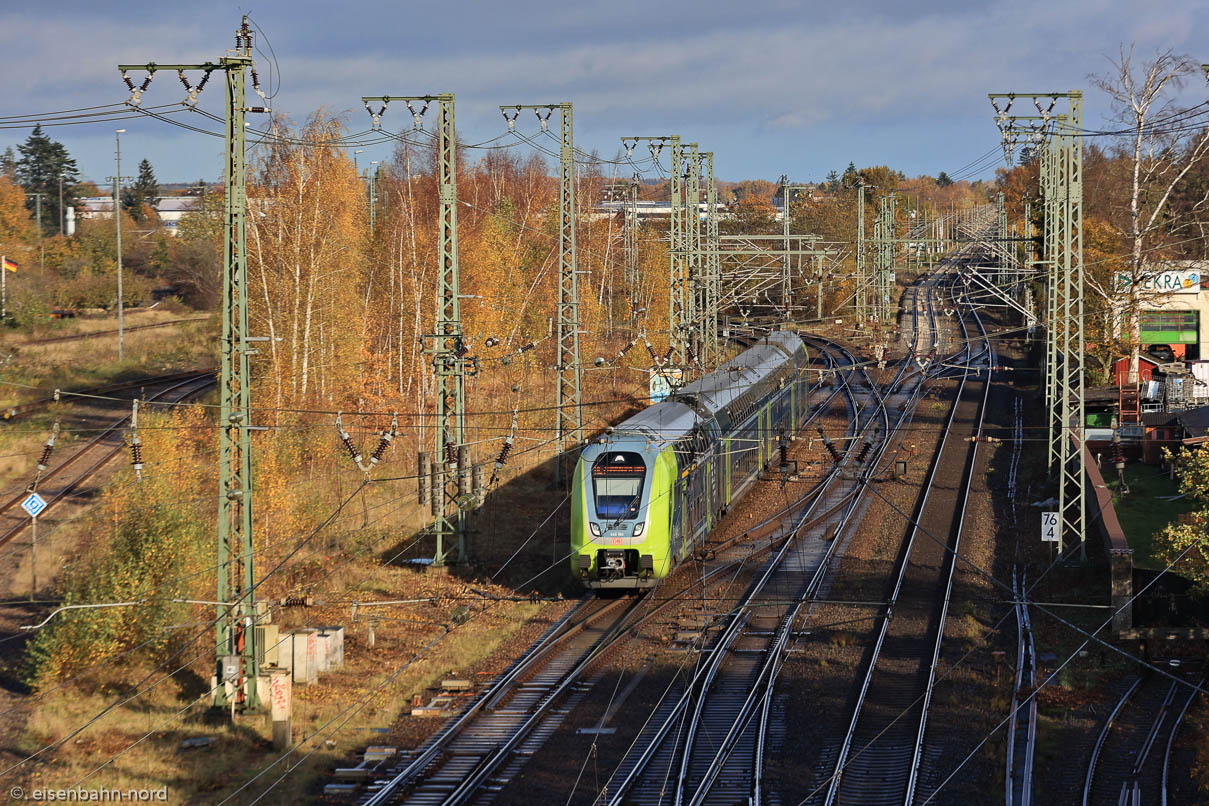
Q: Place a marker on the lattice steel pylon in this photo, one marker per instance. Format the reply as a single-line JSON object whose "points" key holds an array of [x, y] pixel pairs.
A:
{"points": [[630, 229], [678, 322], [1002, 222], [787, 297], [884, 252], [694, 259], [236, 650], [450, 498], [712, 290], [861, 292], [1061, 179], [569, 395]]}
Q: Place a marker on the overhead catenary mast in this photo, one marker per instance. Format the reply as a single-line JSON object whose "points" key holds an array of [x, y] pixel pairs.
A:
{"points": [[450, 461], [237, 652], [569, 397]]}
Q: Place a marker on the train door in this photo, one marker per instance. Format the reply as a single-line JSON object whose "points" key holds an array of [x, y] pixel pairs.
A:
{"points": [[728, 465], [760, 438], [793, 405], [676, 539]]}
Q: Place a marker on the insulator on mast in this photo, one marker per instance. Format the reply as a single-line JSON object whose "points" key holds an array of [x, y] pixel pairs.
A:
{"points": [[136, 447], [860, 457], [353, 453], [384, 442], [48, 449], [835, 455]]}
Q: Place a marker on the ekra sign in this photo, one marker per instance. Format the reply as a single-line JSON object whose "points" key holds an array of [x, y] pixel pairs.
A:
{"points": [[1168, 282]]}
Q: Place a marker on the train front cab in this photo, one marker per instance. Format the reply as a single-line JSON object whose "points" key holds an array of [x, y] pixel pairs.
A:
{"points": [[621, 516]]}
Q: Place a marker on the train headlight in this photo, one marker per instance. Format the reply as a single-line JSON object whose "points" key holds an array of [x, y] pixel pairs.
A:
{"points": [[639, 528], [592, 525]]}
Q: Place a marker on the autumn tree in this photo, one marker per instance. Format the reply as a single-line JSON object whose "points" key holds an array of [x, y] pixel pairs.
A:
{"points": [[195, 268], [1184, 545], [15, 224], [1159, 158], [755, 190], [307, 226], [750, 215]]}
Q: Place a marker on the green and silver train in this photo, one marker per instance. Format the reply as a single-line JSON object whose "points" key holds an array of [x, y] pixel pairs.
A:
{"points": [[646, 494]]}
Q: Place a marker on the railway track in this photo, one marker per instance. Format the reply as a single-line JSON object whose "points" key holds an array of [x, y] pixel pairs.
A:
{"points": [[109, 332], [884, 752], [62, 479], [487, 743], [100, 391], [707, 740], [1022, 722], [1130, 760]]}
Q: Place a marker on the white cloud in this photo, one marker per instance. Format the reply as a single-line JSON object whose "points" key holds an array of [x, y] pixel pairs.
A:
{"points": [[746, 73]]}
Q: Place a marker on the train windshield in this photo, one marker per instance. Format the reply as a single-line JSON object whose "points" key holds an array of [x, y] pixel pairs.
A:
{"points": [[617, 485]]}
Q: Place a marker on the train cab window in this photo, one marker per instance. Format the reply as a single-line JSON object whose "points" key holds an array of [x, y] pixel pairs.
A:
{"points": [[617, 484]]}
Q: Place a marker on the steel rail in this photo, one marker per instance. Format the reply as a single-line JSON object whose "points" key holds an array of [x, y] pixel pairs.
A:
{"points": [[681, 704], [555, 634], [1026, 664], [110, 332], [774, 655], [760, 698], [951, 558], [541, 651], [757, 778], [473, 782], [1150, 712], [1095, 753], [103, 459], [842, 760], [101, 391], [1175, 726], [719, 652]]}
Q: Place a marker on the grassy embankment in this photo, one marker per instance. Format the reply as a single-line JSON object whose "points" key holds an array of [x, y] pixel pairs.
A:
{"points": [[1144, 511]]}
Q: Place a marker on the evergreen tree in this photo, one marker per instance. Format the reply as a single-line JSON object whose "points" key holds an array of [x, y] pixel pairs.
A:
{"points": [[144, 191], [8, 164], [833, 181], [943, 180], [850, 175], [43, 162]]}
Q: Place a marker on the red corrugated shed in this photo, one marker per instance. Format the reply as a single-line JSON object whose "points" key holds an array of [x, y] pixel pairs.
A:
{"points": [[1145, 369]]}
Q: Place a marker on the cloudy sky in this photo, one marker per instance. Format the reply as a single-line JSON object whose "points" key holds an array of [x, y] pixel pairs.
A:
{"points": [[771, 87]]}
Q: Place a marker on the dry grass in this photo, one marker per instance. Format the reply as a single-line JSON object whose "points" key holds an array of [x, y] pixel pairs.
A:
{"points": [[56, 328], [138, 744], [72, 364]]}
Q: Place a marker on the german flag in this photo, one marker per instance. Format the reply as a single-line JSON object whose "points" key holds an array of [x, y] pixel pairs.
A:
{"points": [[9, 265]]}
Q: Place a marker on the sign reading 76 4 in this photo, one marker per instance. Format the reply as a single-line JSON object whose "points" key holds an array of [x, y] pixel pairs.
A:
{"points": [[1049, 527]]}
